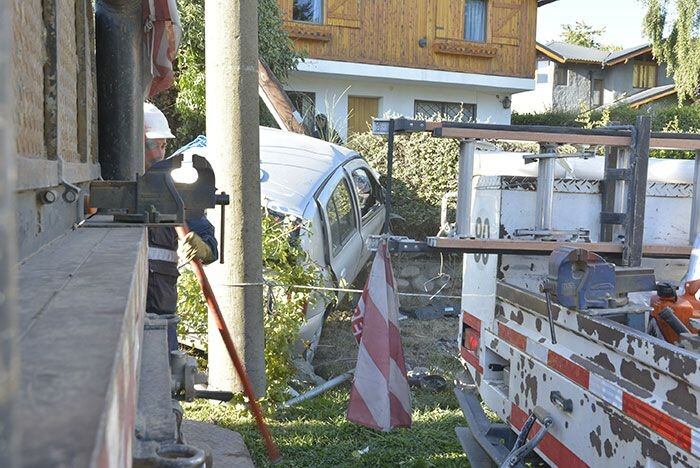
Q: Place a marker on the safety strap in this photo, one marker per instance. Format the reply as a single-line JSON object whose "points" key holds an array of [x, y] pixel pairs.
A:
{"points": [[164, 255]]}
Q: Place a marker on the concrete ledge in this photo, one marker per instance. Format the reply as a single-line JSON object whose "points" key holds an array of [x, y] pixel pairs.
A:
{"points": [[82, 301], [226, 447]]}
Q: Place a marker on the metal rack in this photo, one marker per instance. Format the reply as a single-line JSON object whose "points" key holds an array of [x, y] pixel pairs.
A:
{"points": [[624, 185]]}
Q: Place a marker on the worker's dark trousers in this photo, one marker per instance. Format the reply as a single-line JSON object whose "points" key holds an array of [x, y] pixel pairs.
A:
{"points": [[161, 299]]}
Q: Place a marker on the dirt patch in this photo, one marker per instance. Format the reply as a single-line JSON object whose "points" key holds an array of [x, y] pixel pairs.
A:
{"points": [[426, 343]]}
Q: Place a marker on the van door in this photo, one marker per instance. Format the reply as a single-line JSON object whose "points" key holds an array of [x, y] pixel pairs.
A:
{"points": [[369, 199], [340, 218]]}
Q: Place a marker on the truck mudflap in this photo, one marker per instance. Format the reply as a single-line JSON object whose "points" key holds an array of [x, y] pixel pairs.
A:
{"points": [[615, 399]]}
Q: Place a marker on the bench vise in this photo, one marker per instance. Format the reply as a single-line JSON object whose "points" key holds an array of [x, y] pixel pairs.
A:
{"points": [[154, 198], [579, 279]]}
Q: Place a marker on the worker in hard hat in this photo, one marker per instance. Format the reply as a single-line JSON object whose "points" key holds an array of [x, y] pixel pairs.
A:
{"points": [[163, 252]]}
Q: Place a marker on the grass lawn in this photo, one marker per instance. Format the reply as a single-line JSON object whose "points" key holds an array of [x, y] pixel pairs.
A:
{"points": [[316, 434]]}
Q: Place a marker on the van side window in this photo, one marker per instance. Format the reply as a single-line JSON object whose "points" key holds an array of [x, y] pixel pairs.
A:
{"points": [[341, 217], [367, 189]]}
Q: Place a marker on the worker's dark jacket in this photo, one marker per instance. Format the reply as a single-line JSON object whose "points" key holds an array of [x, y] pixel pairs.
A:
{"points": [[161, 297]]}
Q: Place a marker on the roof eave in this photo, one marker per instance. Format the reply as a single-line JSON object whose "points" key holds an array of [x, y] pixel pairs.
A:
{"points": [[625, 58], [656, 97], [549, 53]]}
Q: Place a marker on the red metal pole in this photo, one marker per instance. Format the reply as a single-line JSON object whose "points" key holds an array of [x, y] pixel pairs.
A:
{"points": [[273, 452]]}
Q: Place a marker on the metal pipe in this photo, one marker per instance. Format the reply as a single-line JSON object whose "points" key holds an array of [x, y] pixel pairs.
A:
{"points": [[121, 90], [389, 175], [334, 382], [465, 178], [621, 187], [9, 347], [545, 189], [695, 207], [218, 319]]}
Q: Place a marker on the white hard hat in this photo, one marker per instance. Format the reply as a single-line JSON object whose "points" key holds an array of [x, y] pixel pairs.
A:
{"points": [[154, 122]]}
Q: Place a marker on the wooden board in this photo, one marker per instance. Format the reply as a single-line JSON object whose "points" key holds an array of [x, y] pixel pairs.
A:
{"points": [[390, 32], [277, 101], [527, 247], [571, 135], [361, 111]]}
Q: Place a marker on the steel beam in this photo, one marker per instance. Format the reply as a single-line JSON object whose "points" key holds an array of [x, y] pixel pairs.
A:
{"points": [[525, 247], [637, 194], [464, 188]]}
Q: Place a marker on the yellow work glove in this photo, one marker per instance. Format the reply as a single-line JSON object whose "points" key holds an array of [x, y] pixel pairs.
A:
{"points": [[192, 246]]}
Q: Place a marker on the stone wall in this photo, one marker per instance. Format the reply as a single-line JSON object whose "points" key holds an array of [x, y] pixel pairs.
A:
{"points": [[53, 82], [421, 274]]}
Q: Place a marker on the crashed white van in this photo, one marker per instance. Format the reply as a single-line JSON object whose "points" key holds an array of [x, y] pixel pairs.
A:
{"points": [[334, 189]]}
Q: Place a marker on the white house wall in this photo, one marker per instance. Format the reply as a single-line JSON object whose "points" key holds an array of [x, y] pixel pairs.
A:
{"points": [[539, 99], [395, 98]]}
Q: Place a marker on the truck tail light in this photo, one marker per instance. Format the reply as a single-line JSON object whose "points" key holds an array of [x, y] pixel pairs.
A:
{"points": [[471, 336]]}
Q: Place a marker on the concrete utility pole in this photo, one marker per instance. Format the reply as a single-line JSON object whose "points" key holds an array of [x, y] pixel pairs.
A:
{"points": [[231, 53], [9, 349]]}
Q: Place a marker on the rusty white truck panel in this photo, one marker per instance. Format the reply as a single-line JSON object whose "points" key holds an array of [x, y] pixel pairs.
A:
{"points": [[634, 398]]}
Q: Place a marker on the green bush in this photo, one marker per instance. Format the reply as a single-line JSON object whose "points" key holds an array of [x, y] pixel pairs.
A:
{"points": [[284, 263], [663, 119]]}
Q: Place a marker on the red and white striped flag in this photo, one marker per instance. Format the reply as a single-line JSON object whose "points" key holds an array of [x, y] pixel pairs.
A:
{"points": [[380, 397]]}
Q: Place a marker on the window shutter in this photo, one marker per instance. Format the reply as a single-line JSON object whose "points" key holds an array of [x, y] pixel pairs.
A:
{"points": [[506, 21], [344, 13], [449, 19]]}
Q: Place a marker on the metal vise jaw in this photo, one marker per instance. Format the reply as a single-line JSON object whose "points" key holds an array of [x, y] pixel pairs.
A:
{"points": [[155, 198], [579, 279]]}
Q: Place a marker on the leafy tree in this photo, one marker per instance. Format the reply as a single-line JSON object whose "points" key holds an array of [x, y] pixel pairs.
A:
{"points": [[672, 26], [184, 104], [582, 34]]}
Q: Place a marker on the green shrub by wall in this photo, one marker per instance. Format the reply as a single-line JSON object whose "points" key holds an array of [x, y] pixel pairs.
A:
{"points": [[284, 263]]}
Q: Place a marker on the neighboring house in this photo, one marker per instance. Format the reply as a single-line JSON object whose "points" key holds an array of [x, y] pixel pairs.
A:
{"points": [[572, 77], [367, 58]]}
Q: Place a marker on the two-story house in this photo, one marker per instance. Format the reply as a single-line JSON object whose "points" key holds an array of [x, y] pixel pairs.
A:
{"points": [[571, 77], [367, 58]]}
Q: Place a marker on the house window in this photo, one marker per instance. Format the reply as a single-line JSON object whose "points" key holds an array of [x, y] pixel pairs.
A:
{"points": [[456, 111], [644, 75], [598, 90], [475, 20], [341, 217], [561, 76], [305, 104], [310, 11], [542, 78]]}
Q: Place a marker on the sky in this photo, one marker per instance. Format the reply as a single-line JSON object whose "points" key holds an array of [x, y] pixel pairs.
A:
{"points": [[622, 19]]}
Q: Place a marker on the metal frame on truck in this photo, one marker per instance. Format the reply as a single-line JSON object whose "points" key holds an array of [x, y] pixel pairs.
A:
{"points": [[578, 386]]}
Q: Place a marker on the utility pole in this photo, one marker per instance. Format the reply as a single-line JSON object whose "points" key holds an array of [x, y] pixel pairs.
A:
{"points": [[231, 53], [9, 346]]}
